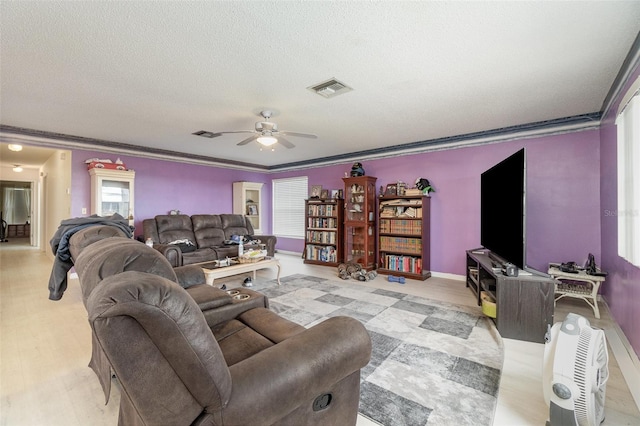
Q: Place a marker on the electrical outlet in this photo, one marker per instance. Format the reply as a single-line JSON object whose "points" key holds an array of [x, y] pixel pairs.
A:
{"points": [[84, 210]]}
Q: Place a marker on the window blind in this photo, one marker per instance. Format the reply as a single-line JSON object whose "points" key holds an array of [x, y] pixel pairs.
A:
{"points": [[628, 213], [289, 195]]}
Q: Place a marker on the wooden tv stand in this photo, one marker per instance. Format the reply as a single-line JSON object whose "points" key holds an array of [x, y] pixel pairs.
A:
{"points": [[524, 304]]}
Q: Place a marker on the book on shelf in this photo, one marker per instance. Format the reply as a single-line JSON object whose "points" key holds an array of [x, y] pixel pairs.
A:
{"points": [[402, 263], [318, 209], [412, 192], [323, 237], [401, 244], [398, 201], [400, 226], [322, 253]]}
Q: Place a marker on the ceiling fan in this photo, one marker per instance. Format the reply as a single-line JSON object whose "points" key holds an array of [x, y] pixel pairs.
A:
{"points": [[266, 133]]}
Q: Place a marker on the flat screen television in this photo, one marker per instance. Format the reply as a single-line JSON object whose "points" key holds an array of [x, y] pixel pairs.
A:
{"points": [[502, 209]]}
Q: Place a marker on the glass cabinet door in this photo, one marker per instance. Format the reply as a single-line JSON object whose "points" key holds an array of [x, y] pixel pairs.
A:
{"points": [[112, 192], [115, 198]]}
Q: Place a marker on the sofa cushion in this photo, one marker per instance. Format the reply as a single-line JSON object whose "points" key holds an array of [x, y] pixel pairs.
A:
{"points": [[239, 342], [207, 229], [235, 224], [199, 256], [174, 227]]}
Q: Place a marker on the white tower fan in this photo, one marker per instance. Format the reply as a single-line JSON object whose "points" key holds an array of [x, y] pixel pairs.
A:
{"points": [[575, 373]]}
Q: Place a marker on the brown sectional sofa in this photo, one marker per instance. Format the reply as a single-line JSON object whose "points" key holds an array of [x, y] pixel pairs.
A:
{"points": [[208, 232]]}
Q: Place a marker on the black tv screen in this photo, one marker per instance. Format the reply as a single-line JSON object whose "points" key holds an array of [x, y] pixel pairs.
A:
{"points": [[502, 209]]}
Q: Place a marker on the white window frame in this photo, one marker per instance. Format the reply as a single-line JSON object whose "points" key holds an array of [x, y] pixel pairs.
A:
{"points": [[287, 206], [628, 159]]}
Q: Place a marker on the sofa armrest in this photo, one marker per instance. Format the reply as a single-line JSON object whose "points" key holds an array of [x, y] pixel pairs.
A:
{"points": [[222, 314], [269, 241], [171, 252], [189, 275], [274, 382]]}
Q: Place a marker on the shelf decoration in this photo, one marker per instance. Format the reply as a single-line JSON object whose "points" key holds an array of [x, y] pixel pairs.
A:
{"points": [[425, 186], [97, 163], [316, 190]]}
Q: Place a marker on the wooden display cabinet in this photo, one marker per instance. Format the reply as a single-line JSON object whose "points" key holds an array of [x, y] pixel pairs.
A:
{"points": [[323, 234], [360, 221], [404, 236], [112, 191], [247, 198]]}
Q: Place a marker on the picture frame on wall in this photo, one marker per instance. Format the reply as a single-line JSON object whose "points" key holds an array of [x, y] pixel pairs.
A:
{"points": [[316, 191], [324, 194], [335, 194]]}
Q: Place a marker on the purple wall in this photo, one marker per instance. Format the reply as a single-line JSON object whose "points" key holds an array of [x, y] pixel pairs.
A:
{"points": [[563, 214], [563, 196], [161, 186], [622, 287], [571, 187]]}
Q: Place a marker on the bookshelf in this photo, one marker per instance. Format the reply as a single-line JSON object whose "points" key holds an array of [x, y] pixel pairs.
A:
{"points": [[323, 232], [404, 237]]}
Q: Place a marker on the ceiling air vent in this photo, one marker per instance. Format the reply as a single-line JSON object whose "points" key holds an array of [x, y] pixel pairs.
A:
{"points": [[330, 88]]}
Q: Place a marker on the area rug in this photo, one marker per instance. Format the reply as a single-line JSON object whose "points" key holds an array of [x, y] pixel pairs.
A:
{"points": [[432, 363]]}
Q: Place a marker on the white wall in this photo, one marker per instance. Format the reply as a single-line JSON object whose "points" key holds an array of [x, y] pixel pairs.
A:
{"points": [[56, 195]]}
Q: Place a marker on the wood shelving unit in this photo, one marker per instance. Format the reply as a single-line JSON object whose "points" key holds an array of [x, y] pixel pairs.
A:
{"points": [[524, 303], [404, 236], [323, 232]]}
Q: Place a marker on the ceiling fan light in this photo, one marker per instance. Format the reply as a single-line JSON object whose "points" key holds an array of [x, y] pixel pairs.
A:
{"points": [[267, 140], [14, 147]]}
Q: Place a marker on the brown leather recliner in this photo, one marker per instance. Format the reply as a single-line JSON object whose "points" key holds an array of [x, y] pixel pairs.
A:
{"points": [[96, 259], [173, 371], [219, 361]]}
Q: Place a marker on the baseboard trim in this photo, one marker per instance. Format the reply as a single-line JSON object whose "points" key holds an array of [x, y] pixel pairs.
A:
{"points": [[448, 276], [292, 253], [626, 358]]}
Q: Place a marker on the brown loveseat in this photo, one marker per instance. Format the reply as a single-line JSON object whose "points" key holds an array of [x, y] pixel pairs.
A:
{"points": [[213, 361], [207, 232]]}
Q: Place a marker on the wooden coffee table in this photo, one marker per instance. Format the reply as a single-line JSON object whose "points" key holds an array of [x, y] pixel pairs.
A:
{"points": [[239, 268]]}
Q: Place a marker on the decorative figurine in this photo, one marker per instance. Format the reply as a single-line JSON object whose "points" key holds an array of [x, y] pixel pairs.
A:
{"points": [[424, 185], [357, 170]]}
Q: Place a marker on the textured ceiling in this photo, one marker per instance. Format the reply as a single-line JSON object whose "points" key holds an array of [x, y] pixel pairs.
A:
{"points": [[151, 73]]}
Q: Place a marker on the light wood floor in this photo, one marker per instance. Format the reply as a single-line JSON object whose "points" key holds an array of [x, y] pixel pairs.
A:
{"points": [[45, 348]]}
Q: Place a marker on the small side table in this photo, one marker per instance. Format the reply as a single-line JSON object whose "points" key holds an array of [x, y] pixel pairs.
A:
{"points": [[580, 286]]}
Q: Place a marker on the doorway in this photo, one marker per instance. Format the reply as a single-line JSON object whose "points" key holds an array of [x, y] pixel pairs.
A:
{"points": [[16, 210]]}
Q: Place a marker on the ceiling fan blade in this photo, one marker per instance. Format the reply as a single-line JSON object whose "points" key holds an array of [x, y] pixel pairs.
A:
{"points": [[208, 134], [301, 135], [282, 141], [249, 139]]}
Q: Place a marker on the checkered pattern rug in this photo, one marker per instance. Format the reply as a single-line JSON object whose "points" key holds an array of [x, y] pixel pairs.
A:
{"points": [[432, 363]]}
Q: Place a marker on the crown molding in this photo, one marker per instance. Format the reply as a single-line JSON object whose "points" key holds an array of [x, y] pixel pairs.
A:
{"points": [[10, 134]]}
